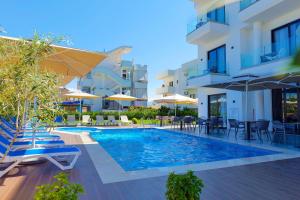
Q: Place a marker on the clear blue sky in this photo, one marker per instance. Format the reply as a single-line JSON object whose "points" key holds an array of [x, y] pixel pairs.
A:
{"points": [[154, 28]]}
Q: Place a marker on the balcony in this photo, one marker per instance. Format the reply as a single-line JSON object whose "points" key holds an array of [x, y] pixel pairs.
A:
{"points": [[165, 74], [204, 29], [246, 3], [274, 56], [208, 76], [265, 10], [165, 90]]}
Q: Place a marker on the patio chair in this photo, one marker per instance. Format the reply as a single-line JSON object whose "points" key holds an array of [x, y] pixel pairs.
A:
{"points": [[99, 120], [236, 125], [125, 121], [27, 144], [175, 122], [112, 120], [71, 119], [14, 157], [188, 123], [214, 123], [201, 124], [86, 119], [263, 128], [278, 130]]}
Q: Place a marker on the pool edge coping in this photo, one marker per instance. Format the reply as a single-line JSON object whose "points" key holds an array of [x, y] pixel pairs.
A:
{"points": [[110, 171]]}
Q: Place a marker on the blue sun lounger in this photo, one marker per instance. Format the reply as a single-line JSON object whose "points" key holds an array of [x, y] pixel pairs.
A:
{"points": [[12, 127], [38, 136], [27, 144], [54, 155]]}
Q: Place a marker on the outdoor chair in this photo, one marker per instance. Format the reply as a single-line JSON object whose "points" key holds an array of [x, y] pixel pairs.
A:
{"points": [[58, 119], [71, 119], [201, 124], [86, 119], [58, 156], [235, 125], [216, 123], [175, 123], [279, 129], [112, 120], [125, 121], [263, 128], [188, 123], [99, 120]]}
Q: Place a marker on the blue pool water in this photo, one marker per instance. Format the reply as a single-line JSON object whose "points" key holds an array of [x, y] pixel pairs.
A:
{"points": [[136, 149], [77, 129]]}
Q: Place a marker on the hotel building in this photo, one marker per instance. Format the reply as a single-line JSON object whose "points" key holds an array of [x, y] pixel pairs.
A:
{"points": [[113, 76]]}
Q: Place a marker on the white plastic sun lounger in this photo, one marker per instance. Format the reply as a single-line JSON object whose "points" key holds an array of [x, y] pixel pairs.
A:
{"points": [[86, 119], [100, 120], [112, 120], [15, 157], [71, 119], [125, 121]]}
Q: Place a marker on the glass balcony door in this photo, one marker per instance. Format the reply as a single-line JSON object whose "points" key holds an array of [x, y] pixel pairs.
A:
{"points": [[217, 15], [286, 39], [217, 60]]}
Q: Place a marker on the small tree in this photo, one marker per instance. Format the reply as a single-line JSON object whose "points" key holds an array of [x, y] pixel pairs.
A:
{"points": [[183, 186], [26, 88], [61, 189]]}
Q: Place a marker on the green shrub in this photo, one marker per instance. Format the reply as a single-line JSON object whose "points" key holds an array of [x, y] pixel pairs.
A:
{"points": [[183, 186], [61, 189], [135, 120], [137, 112]]}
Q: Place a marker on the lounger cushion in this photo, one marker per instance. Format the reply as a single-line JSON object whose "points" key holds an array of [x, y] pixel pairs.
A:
{"points": [[55, 142], [40, 151], [38, 136]]}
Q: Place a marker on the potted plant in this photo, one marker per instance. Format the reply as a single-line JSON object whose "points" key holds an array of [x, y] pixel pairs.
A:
{"points": [[61, 189], [183, 186]]}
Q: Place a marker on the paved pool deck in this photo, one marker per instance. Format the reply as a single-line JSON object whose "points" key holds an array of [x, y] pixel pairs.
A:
{"points": [[265, 180]]}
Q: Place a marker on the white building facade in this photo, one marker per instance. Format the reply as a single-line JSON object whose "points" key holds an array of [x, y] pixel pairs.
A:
{"points": [[256, 37], [113, 76], [176, 81]]}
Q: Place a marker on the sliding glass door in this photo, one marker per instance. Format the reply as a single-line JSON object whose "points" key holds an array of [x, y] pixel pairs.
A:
{"points": [[286, 39], [217, 60], [217, 15], [217, 106]]}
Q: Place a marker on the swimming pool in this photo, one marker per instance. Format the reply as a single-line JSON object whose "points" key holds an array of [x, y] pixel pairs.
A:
{"points": [[137, 149]]}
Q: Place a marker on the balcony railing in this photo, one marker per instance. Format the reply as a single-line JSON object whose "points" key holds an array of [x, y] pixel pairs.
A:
{"points": [[246, 3], [200, 21], [199, 71], [271, 52]]}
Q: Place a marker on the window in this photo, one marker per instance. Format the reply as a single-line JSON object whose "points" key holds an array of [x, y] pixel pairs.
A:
{"points": [[124, 74], [286, 39], [217, 60], [86, 89], [217, 15], [171, 84]]}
